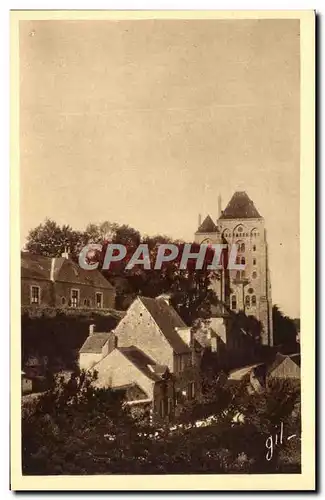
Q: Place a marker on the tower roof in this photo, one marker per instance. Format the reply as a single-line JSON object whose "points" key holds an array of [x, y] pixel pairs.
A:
{"points": [[240, 207], [207, 226]]}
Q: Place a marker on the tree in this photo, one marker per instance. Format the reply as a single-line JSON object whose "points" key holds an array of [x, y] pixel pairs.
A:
{"points": [[284, 331], [76, 428], [52, 240]]}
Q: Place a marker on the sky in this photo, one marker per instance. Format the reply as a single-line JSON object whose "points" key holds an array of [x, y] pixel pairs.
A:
{"points": [[146, 122]]}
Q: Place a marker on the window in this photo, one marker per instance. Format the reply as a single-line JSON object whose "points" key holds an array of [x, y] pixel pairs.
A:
{"points": [[241, 247], [250, 290], [254, 248], [253, 300], [238, 275], [237, 259], [247, 301], [191, 390], [74, 297], [63, 301], [243, 260], [240, 229], [87, 302], [254, 262], [233, 302], [99, 300], [254, 275], [35, 295]]}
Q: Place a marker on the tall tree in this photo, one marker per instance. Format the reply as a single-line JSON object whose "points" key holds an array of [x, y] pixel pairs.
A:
{"points": [[284, 331], [51, 240]]}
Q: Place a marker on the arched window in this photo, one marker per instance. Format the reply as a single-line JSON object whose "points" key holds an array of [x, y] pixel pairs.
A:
{"points": [[254, 248], [240, 229], [254, 262], [243, 274], [242, 260], [63, 301], [242, 247], [254, 275], [233, 302], [85, 302], [237, 259], [253, 300], [247, 301]]}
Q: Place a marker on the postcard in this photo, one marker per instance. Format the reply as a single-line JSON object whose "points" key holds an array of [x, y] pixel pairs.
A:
{"points": [[163, 250]]}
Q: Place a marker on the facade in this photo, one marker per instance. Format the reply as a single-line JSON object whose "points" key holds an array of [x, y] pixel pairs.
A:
{"points": [[149, 348], [60, 282], [247, 290], [154, 326]]}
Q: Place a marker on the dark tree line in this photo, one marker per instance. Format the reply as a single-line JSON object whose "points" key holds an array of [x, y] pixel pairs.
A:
{"points": [[75, 428]]}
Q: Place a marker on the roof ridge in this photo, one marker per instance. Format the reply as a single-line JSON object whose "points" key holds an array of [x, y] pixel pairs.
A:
{"points": [[240, 206]]}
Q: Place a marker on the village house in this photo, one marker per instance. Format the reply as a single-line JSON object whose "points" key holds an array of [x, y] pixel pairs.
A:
{"points": [[260, 375], [60, 282], [284, 367], [149, 348]]}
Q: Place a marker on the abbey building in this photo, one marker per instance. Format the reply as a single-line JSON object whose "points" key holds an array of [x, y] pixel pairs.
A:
{"points": [[248, 290]]}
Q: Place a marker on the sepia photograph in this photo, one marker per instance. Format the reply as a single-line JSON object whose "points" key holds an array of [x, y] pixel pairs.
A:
{"points": [[163, 322]]}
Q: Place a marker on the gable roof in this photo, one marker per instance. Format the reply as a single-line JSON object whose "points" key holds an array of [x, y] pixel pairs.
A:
{"points": [[141, 361], [240, 207], [207, 226], [36, 267], [95, 342], [280, 358], [167, 320]]}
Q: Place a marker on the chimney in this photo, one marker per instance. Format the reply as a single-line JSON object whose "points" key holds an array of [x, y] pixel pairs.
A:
{"points": [[219, 206], [66, 252], [91, 329], [200, 220]]}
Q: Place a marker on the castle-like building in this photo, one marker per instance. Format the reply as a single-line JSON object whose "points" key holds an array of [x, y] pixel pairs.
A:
{"points": [[248, 290]]}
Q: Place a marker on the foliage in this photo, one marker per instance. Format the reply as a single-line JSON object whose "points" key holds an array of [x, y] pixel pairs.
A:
{"points": [[52, 240], [59, 338], [284, 331], [190, 289], [78, 429]]}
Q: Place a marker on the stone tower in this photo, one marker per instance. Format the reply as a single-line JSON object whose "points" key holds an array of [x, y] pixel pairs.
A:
{"points": [[248, 290]]}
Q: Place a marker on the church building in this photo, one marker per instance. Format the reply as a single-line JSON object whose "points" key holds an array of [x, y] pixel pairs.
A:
{"points": [[248, 290]]}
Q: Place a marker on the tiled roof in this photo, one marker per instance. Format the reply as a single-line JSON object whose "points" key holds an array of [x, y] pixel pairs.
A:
{"points": [[36, 267], [140, 360], [95, 342], [167, 320], [240, 207], [207, 226]]}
